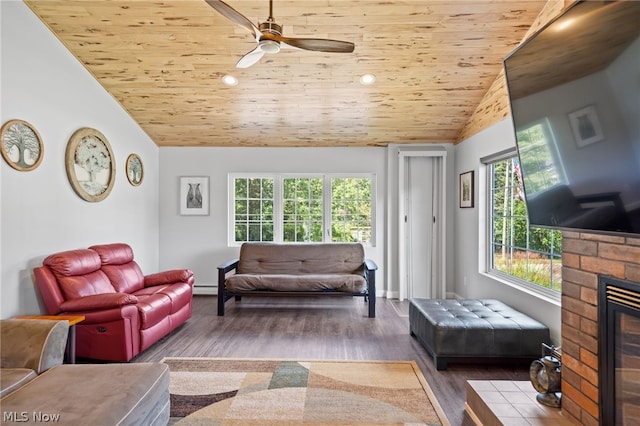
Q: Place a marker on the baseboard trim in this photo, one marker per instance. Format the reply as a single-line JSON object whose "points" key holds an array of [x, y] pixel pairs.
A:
{"points": [[207, 290]]}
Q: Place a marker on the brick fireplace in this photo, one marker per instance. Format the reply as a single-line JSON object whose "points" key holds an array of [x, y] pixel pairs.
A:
{"points": [[586, 257]]}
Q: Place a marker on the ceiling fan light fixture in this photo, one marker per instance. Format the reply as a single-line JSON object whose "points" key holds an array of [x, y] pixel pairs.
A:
{"points": [[270, 46], [229, 80], [367, 79]]}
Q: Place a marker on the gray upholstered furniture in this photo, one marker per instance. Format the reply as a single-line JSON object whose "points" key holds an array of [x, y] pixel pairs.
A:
{"points": [[474, 329], [29, 348], [298, 269], [38, 388]]}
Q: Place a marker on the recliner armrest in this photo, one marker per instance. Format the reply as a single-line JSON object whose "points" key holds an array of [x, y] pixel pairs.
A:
{"points": [[169, 277], [97, 302]]}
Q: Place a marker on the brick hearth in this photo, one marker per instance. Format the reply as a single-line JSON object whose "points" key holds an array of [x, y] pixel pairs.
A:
{"points": [[586, 257]]}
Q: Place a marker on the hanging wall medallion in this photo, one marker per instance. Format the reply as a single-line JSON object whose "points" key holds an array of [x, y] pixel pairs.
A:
{"points": [[134, 169], [21, 145], [90, 164]]}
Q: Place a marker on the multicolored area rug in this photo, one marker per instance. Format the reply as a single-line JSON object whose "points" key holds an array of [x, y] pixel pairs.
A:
{"points": [[216, 391]]}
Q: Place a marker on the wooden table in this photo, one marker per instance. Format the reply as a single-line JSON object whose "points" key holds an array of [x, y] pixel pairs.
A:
{"points": [[70, 350]]}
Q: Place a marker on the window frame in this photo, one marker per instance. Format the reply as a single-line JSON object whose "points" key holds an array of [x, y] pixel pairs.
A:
{"points": [[280, 217], [231, 197], [501, 276], [278, 203]]}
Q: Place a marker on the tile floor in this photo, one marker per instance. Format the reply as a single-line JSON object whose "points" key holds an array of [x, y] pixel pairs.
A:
{"points": [[509, 403]]}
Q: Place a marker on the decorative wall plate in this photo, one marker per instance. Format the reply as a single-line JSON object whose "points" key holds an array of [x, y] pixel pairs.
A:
{"points": [[134, 169], [90, 164], [21, 145]]}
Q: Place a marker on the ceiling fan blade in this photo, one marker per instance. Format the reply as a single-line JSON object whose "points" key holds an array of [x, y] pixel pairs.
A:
{"points": [[250, 58], [315, 44], [236, 17]]}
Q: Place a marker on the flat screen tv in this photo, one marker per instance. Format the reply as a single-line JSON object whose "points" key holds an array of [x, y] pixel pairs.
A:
{"points": [[574, 89]]}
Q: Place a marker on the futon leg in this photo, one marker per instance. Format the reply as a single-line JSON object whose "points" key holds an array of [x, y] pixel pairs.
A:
{"points": [[221, 300], [372, 306], [371, 292]]}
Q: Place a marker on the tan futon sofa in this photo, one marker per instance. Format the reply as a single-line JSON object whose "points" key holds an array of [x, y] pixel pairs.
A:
{"points": [[37, 388], [298, 269]]}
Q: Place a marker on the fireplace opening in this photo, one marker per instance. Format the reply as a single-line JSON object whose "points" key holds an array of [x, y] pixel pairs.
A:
{"points": [[619, 347]]}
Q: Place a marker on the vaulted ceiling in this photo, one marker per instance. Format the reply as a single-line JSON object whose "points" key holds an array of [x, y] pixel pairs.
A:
{"points": [[163, 61]]}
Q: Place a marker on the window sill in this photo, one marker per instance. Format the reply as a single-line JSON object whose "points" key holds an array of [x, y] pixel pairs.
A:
{"points": [[554, 299], [239, 243]]}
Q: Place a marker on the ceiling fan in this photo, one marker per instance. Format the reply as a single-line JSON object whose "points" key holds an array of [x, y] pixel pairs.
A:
{"points": [[269, 37]]}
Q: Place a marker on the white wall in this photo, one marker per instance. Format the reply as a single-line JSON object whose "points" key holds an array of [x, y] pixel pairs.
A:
{"points": [[200, 242], [43, 84], [471, 281]]}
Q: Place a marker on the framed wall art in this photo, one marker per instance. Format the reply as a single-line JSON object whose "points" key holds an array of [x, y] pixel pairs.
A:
{"points": [[90, 164], [586, 126], [466, 189], [21, 145], [134, 169], [194, 195]]}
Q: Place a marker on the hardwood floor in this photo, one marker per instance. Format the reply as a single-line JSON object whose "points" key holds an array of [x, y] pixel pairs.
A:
{"points": [[321, 328]]}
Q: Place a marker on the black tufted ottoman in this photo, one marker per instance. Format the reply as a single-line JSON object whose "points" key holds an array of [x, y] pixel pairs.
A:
{"points": [[472, 328]]}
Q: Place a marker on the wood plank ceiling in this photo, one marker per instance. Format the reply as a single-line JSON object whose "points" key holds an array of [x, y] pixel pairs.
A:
{"points": [[163, 62]]}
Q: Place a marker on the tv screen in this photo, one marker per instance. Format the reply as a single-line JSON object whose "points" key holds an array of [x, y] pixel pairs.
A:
{"points": [[574, 89]]}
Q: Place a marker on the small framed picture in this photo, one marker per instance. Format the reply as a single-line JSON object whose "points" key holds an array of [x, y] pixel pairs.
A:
{"points": [[466, 189], [194, 195], [586, 126]]}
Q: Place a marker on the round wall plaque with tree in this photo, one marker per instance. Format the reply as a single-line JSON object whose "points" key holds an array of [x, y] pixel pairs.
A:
{"points": [[134, 169], [90, 164], [21, 145]]}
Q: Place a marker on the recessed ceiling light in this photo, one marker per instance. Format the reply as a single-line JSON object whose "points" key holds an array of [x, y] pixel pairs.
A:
{"points": [[367, 79], [229, 80]]}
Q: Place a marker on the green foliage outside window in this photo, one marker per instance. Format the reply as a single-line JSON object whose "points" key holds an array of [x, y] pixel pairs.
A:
{"points": [[254, 214], [351, 209], [531, 253], [302, 203], [302, 208]]}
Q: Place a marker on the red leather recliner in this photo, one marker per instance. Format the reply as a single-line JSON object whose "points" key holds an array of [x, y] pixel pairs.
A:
{"points": [[125, 311]]}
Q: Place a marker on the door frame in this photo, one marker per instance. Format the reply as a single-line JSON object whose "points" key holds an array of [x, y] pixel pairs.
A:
{"points": [[439, 197]]}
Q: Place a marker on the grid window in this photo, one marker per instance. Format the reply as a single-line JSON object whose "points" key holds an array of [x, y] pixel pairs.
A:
{"points": [[254, 209], [294, 209], [302, 209], [351, 209], [530, 254]]}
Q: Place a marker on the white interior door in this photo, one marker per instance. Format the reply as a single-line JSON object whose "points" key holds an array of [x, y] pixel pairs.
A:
{"points": [[421, 215], [419, 222]]}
